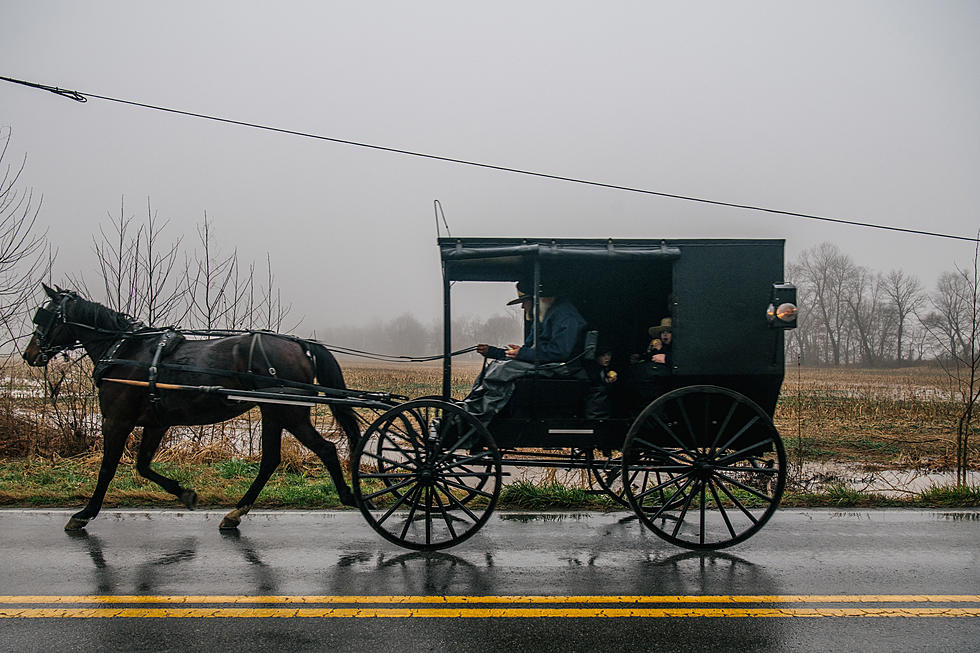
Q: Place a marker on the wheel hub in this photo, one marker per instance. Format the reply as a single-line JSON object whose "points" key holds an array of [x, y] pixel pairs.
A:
{"points": [[703, 468]]}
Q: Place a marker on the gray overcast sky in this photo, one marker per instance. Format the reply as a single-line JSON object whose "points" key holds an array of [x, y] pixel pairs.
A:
{"points": [[863, 110]]}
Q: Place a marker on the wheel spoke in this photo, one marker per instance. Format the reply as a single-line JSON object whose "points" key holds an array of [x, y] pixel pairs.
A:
{"points": [[701, 536], [407, 433], [754, 470], [467, 488], [687, 505], [674, 436], [739, 455], [755, 418], [747, 488], [413, 455], [459, 504], [390, 462], [411, 511], [390, 488], [483, 455], [738, 503], [458, 475], [666, 452], [724, 425], [721, 508], [672, 481], [394, 507], [386, 475], [427, 491], [445, 514], [687, 420], [449, 451], [669, 501]]}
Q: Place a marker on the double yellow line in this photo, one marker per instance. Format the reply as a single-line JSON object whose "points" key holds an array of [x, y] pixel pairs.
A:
{"points": [[259, 607]]}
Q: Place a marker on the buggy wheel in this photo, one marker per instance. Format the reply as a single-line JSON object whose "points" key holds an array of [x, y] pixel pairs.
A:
{"points": [[426, 475], [607, 474], [707, 465]]}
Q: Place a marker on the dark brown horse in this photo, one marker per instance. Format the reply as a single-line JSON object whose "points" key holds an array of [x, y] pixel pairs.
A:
{"points": [[121, 349]]}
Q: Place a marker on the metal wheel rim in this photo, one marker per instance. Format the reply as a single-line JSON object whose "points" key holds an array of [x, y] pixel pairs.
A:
{"points": [[720, 493], [437, 492]]}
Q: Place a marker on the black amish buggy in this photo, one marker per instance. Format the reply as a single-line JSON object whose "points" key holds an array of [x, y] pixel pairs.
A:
{"points": [[691, 449]]}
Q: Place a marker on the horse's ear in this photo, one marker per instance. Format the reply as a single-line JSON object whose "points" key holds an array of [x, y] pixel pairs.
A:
{"points": [[50, 291]]}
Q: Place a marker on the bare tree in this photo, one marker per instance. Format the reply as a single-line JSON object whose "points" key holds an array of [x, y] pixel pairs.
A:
{"points": [[160, 293], [208, 278], [904, 292], [23, 258], [951, 312], [874, 322], [955, 325], [825, 273], [117, 253], [275, 312]]}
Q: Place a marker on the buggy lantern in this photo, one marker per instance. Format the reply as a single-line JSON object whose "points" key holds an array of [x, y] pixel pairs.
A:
{"points": [[782, 310]]}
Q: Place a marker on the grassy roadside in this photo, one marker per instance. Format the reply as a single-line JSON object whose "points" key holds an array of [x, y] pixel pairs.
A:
{"points": [[68, 483]]}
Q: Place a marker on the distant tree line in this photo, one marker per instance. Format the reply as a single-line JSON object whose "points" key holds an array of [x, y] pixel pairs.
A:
{"points": [[852, 315]]}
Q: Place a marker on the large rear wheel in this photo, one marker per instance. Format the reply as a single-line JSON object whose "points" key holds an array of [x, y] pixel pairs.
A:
{"points": [[706, 467]]}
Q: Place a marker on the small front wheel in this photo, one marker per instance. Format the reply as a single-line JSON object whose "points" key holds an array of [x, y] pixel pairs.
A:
{"points": [[426, 475]]}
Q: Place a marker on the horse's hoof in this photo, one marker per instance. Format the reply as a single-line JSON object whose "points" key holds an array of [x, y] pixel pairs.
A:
{"points": [[189, 499], [346, 497], [76, 524], [233, 518]]}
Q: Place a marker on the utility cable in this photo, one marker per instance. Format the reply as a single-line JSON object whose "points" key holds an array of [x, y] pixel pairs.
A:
{"points": [[83, 96]]}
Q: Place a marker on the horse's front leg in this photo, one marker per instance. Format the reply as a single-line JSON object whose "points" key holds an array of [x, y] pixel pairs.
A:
{"points": [[114, 434], [271, 457], [149, 444]]}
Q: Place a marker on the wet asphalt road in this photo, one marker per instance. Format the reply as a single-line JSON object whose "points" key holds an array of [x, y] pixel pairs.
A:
{"points": [[907, 555]]}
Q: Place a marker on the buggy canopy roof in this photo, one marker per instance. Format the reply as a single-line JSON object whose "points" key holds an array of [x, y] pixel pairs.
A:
{"points": [[507, 259]]}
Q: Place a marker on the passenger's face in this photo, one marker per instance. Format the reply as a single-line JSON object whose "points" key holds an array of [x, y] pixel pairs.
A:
{"points": [[667, 336]]}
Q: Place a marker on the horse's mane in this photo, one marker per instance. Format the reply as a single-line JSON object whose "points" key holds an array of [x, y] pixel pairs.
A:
{"points": [[102, 317]]}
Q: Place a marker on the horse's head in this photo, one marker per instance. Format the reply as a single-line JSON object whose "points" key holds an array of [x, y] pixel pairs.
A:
{"points": [[51, 335]]}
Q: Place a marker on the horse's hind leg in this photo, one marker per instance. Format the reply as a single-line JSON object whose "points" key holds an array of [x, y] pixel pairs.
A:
{"points": [[149, 444], [271, 457], [114, 434], [326, 451]]}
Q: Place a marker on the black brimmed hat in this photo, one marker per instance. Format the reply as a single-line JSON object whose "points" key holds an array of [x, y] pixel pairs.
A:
{"points": [[524, 292]]}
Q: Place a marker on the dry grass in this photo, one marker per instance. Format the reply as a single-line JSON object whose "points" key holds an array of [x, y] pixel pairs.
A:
{"points": [[898, 417]]}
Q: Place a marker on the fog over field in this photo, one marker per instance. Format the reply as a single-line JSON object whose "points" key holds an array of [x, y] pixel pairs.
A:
{"points": [[863, 111]]}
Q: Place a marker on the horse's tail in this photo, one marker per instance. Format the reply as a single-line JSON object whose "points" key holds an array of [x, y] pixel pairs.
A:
{"points": [[328, 374]]}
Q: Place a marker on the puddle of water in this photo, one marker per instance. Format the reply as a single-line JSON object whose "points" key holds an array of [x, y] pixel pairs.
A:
{"points": [[888, 482]]}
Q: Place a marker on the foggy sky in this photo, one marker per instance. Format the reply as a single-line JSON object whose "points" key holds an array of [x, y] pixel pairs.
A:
{"points": [[859, 110]]}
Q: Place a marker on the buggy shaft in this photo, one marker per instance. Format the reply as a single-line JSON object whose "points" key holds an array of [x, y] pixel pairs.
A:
{"points": [[258, 396]]}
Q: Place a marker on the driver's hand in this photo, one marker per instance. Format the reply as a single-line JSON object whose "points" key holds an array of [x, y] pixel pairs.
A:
{"points": [[512, 351], [482, 350]]}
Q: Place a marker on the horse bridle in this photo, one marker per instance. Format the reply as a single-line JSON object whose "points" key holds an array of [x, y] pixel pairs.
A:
{"points": [[45, 320]]}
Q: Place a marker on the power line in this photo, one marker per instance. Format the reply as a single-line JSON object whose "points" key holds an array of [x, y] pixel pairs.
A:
{"points": [[83, 97]]}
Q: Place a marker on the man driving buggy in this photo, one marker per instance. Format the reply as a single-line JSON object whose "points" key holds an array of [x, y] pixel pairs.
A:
{"points": [[560, 331]]}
